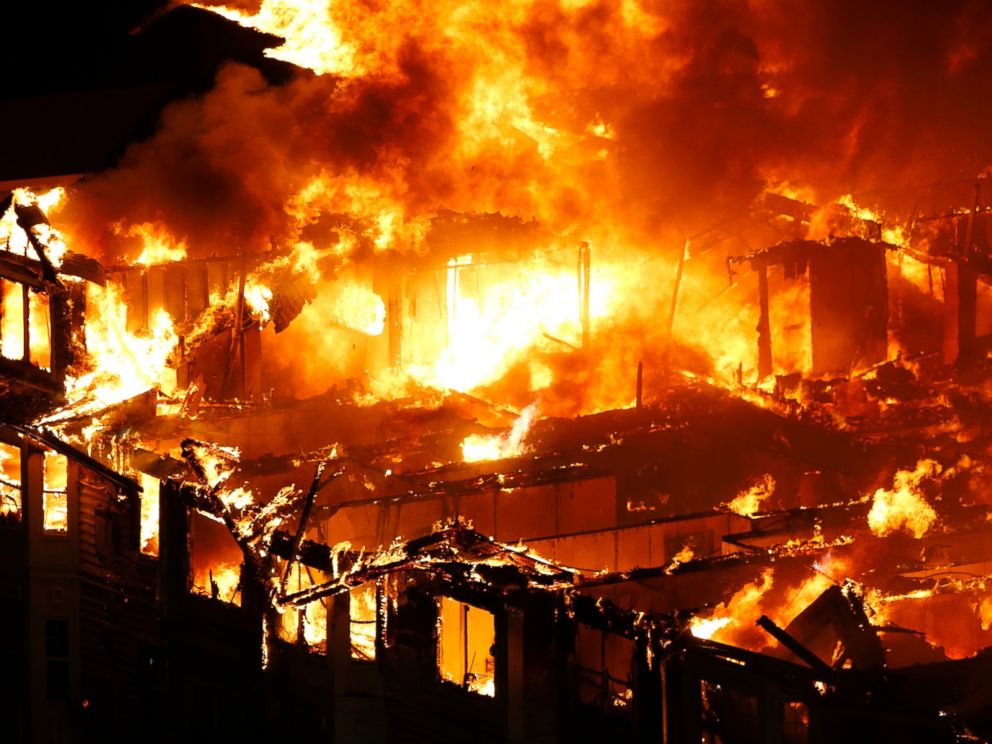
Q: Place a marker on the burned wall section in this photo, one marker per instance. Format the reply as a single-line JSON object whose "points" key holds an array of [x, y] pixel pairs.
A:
{"points": [[226, 362], [848, 306]]}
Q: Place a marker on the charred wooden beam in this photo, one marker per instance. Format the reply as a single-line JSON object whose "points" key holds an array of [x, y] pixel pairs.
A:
{"points": [[639, 398], [679, 268], [20, 269], [304, 518], [814, 661], [394, 317], [764, 326], [585, 274]]}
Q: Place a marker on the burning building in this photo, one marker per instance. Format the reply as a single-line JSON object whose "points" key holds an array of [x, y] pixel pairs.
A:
{"points": [[572, 370]]}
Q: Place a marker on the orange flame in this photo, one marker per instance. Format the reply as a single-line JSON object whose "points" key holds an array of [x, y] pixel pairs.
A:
{"points": [[904, 507], [747, 503], [476, 447], [157, 244], [119, 364]]}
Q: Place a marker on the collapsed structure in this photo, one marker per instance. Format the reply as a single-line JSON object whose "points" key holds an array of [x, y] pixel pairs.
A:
{"points": [[211, 533], [475, 475]]}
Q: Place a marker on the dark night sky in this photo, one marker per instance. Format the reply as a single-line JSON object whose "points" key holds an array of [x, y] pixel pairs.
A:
{"points": [[82, 80]]}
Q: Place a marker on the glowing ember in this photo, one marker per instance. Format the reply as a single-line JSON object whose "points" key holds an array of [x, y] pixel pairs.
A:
{"points": [[476, 447], [904, 507]]}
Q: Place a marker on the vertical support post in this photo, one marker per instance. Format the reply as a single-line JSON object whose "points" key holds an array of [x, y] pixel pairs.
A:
{"points": [[764, 325], [951, 313], [60, 329], [679, 269], [511, 640], [236, 332], [967, 286], [585, 271], [967, 312], [145, 320], [26, 322], [394, 316]]}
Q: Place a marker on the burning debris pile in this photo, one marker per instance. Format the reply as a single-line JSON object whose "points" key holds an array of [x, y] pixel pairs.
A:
{"points": [[479, 356]]}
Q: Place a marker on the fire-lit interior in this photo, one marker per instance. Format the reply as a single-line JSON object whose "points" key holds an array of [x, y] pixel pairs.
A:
{"points": [[553, 370]]}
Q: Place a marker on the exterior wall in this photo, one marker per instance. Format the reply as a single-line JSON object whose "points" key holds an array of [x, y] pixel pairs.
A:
{"points": [[15, 692], [53, 597]]}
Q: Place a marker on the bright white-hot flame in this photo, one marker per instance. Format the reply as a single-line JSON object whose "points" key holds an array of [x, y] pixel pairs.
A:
{"points": [[257, 298], [360, 309], [492, 325], [49, 201], [904, 507], [15, 239], [477, 447], [312, 39]]}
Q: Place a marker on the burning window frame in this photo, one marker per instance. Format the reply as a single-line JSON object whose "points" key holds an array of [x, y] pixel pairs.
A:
{"points": [[612, 694], [478, 683], [11, 493], [55, 521], [363, 645]]}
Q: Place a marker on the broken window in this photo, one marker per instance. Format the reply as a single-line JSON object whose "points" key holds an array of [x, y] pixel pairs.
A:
{"points": [[150, 488], [362, 611], [796, 722], [40, 331], [603, 664], [306, 623], [55, 499], [728, 715], [10, 481], [57, 659], [12, 319], [24, 315], [214, 560], [466, 639]]}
